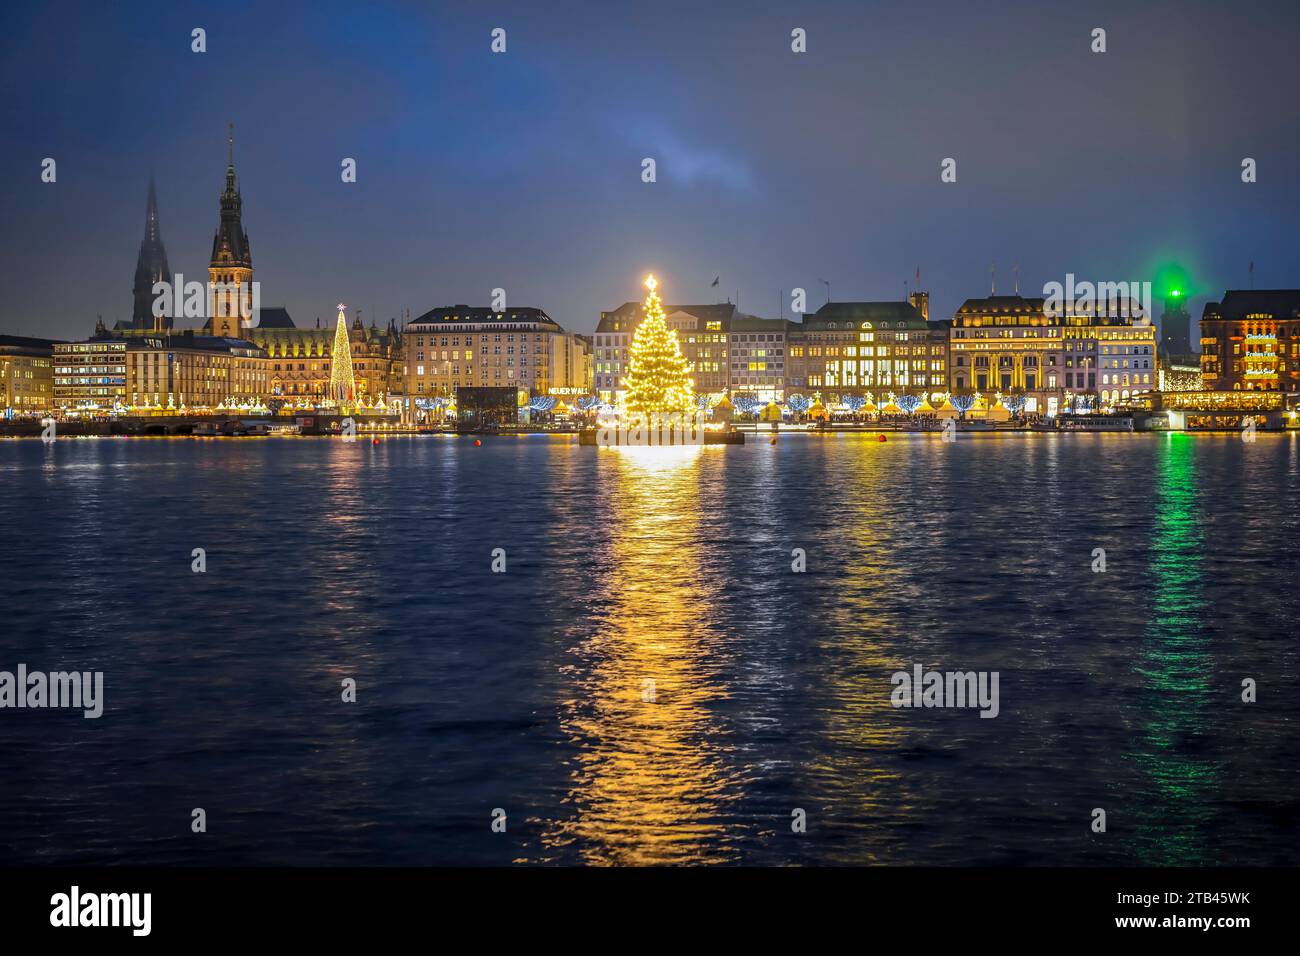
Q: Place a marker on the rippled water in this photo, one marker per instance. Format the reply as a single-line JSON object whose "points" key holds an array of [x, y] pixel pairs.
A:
{"points": [[525, 690]]}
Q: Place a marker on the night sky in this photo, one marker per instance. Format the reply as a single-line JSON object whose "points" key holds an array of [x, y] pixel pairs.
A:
{"points": [[523, 170]]}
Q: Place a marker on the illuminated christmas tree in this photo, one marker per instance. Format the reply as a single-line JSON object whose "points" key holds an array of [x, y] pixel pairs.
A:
{"points": [[342, 385], [658, 379]]}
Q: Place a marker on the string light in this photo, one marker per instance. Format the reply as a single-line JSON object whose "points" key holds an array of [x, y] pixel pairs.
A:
{"points": [[342, 385], [658, 380]]}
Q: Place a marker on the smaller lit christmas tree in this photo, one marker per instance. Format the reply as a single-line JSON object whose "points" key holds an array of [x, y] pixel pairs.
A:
{"points": [[658, 379], [343, 386]]}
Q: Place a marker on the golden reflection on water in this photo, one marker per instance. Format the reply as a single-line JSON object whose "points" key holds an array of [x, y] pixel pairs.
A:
{"points": [[341, 487], [845, 774], [650, 778]]}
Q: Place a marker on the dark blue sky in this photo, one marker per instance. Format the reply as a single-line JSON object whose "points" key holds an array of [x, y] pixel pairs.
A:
{"points": [[522, 170]]}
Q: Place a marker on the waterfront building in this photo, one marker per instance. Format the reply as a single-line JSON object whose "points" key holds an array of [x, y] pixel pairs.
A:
{"points": [[460, 346], [90, 376], [194, 371], [876, 348], [185, 369], [150, 267], [584, 352], [1250, 341], [702, 332], [1205, 410], [570, 369], [26, 375], [301, 359], [1125, 357], [757, 357], [1008, 344]]}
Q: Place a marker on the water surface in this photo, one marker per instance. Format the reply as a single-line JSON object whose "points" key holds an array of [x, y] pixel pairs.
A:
{"points": [[527, 691]]}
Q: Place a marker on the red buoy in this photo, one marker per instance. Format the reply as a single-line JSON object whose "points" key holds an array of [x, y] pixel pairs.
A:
{"points": [[477, 442], [881, 438], [375, 441]]}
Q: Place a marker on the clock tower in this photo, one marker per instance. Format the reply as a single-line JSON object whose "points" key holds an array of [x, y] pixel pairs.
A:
{"points": [[230, 273]]}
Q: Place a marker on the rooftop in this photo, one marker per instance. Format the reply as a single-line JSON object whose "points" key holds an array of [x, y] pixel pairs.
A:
{"points": [[1240, 303], [851, 315], [275, 317], [615, 321], [482, 315], [23, 342], [1002, 304]]}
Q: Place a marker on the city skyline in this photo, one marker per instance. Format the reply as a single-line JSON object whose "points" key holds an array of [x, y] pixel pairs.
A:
{"points": [[447, 206], [1171, 280]]}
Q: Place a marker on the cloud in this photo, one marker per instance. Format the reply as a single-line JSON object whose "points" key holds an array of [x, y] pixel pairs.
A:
{"points": [[679, 161]]}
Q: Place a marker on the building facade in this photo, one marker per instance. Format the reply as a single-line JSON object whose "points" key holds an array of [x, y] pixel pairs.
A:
{"points": [[301, 359], [26, 376], [703, 332], [200, 372], [1250, 341], [1126, 357], [875, 348], [1008, 344], [757, 357], [586, 351], [570, 371], [178, 371], [461, 346], [90, 376]]}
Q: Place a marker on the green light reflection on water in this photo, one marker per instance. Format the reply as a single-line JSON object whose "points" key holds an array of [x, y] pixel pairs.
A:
{"points": [[1175, 666]]}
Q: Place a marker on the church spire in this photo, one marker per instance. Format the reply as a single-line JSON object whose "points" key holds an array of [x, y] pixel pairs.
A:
{"points": [[230, 273], [232, 188], [231, 202], [150, 267], [152, 229]]}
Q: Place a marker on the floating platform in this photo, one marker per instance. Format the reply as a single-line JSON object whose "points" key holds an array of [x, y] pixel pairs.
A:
{"points": [[619, 437]]}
